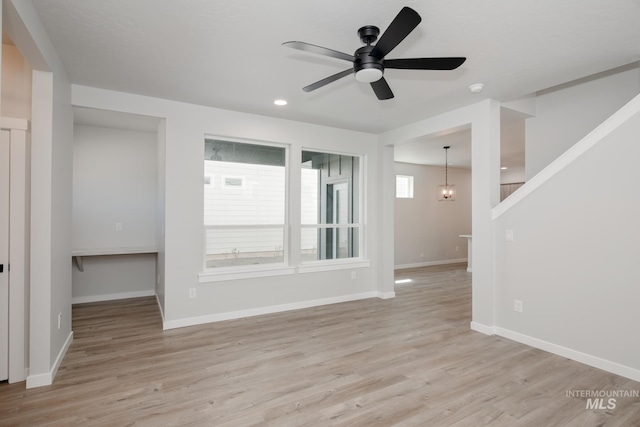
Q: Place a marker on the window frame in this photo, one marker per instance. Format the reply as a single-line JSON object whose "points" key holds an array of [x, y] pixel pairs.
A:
{"points": [[292, 263], [213, 274], [409, 186], [340, 263]]}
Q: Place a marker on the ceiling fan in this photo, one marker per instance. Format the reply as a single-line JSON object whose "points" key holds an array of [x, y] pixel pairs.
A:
{"points": [[369, 62]]}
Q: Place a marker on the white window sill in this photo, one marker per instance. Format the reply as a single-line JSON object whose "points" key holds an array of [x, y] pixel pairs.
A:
{"points": [[266, 271], [333, 264], [243, 273]]}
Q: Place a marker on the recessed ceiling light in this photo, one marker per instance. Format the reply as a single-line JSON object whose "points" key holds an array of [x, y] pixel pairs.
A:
{"points": [[280, 102], [504, 168], [476, 87], [403, 281]]}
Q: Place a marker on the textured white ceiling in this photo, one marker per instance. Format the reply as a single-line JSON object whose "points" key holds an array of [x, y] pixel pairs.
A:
{"points": [[228, 54]]}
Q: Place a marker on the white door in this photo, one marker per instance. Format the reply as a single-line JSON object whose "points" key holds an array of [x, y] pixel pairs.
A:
{"points": [[4, 255]]}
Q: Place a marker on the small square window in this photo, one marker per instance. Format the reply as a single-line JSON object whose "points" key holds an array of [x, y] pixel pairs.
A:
{"points": [[404, 186]]}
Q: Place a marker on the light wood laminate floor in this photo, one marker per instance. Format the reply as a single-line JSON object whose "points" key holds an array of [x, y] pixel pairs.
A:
{"points": [[408, 361]]}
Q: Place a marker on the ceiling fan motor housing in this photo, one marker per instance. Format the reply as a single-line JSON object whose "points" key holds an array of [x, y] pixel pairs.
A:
{"points": [[366, 67]]}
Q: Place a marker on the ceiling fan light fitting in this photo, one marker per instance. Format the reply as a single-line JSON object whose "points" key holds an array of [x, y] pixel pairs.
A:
{"points": [[369, 75]]}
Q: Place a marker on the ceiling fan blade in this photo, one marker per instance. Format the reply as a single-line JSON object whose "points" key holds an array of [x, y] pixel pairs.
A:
{"points": [[425, 63], [382, 89], [326, 81], [306, 47], [400, 27]]}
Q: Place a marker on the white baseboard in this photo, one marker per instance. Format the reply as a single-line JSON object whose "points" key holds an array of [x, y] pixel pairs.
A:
{"points": [[587, 359], [210, 318], [430, 263], [386, 295], [484, 329], [111, 297], [40, 380], [160, 308]]}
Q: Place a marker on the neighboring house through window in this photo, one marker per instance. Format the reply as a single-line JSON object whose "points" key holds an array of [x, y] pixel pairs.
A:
{"points": [[244, 213]]}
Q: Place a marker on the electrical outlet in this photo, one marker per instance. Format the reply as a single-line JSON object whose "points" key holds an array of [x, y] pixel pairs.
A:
{"points": [[354, 274], [457, 248], [59, 320], [517, 306], [508, 235], [421, 255], [118, 226], [192, 293]]}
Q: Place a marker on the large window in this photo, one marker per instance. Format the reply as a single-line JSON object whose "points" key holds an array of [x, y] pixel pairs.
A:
{"points": [[244, 204], [330, 206]]}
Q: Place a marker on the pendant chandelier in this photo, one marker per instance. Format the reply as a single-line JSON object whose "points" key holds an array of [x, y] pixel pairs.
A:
{"points": [[446, 192]]}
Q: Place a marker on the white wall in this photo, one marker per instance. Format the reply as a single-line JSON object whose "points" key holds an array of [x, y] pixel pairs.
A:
{"points": [[114, 277], [512, 147], [427, 230], [114, 182], [186, 127], [565, 114], [16, 84], [573, 260]]}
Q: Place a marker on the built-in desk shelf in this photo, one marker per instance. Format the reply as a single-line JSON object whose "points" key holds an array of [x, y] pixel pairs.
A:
{"points": [[78, 254]]}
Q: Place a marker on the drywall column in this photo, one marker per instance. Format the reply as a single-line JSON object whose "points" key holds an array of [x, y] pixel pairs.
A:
{"points": [[485, 178], [40, 289], [386, 233]]}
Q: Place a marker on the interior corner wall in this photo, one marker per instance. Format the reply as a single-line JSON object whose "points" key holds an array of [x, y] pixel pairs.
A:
{"points": [[427, 230], [564, 115], [573, 260]]}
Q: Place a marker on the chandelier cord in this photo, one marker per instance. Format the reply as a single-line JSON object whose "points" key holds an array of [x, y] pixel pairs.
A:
{"points": [[446, 167]]}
